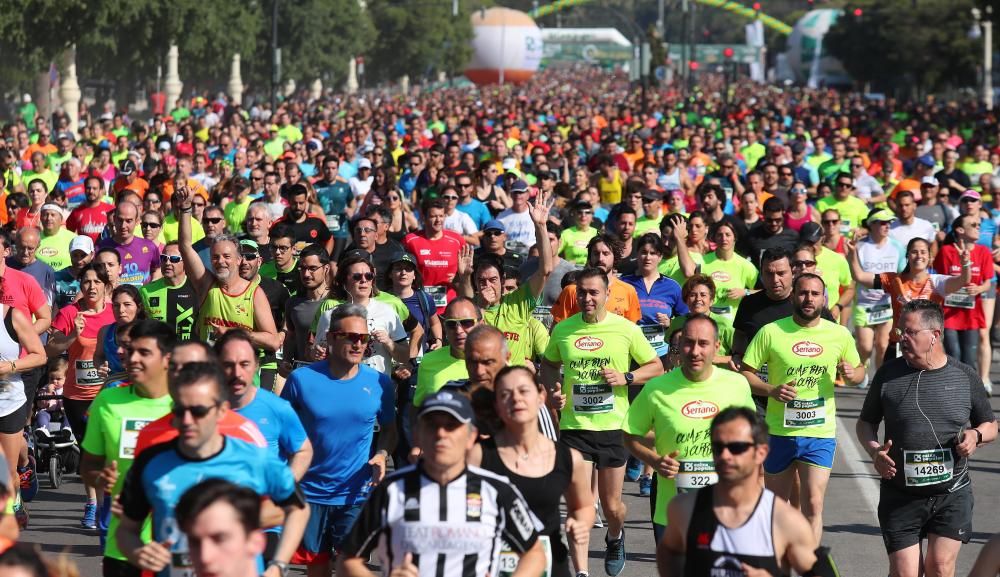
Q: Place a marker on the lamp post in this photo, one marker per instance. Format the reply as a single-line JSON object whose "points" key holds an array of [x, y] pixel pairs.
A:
{"points": [[987, 34]]}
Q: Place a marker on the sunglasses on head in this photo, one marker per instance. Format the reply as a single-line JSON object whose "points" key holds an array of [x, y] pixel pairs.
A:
{"points": [[356, 338], [734, 447], [197, 411], [356, 277], [465, 323], [171, 258]]}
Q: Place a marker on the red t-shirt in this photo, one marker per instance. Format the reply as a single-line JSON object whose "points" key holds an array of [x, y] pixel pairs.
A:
{"points": [[437, 261], [89, 221], [232, 424], [948, 262], [22, 292]]}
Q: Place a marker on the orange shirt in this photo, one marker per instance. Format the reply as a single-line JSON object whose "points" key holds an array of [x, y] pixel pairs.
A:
{"points": [[46, 150], [232, 424], [902, 290], [623, 301]]}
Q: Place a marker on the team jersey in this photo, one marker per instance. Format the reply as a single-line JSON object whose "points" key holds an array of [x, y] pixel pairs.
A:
{"points": [[806, 357], [437, 368], [832, 267], [646, 224], [671, 267], [623, 301], [220, 307], [573, 244], [115, 418], [350, 408], [438, 262], [177, 306], [53, 249], [140, 258], [511, 316], [735, 273], [723, 324], [584, 349], [663, 297], [90, 221], [161, 475], [278, 423], [679, 412], [457, 529], [852, 211], [334, 198]]}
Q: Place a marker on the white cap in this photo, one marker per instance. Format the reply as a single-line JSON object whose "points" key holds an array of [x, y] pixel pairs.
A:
{"points": [[81, 242], [364, 163], [929, 180], [509, 163]]}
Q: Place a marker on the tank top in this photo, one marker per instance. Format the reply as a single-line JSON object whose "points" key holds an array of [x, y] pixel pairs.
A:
{"points": [[670, 181], [717, 550], [543, 495], [610, 189], [796, 223], [220, 307], [12, 395]]}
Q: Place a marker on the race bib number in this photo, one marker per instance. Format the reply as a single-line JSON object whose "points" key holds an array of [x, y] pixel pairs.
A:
{"points": [[543, 315], [86, 374], [333, 222], [593, 399], [654, 335], [845, 227], [180, 564], [720, 310], [960, 300], [929, 467], [509, 559], [802, 413], [130, 436], [695, 475], [878, 314], [439, 294]]}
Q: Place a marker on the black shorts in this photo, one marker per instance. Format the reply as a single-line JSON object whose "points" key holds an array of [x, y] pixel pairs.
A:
{"points": [[118, 568], [14, 423], [907, 519], [606, 449]]}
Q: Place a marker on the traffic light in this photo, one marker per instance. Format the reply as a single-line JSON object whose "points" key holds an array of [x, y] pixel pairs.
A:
{"points": [[693, 65], [858, 12], [728, 53]]}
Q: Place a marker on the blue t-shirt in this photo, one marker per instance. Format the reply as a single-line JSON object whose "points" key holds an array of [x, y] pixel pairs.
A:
{"points": [[987, 230], [477, 211], [161, 475], [277, 421], [340, 417], [663, 297]]}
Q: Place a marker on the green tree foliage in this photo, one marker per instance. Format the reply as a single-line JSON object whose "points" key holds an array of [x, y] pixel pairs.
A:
{"points": [[923, 45], [419, 38], [317, 37]]}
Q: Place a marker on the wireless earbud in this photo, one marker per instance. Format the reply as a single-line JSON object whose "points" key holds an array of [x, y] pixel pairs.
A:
{"points": [[933, 340]]}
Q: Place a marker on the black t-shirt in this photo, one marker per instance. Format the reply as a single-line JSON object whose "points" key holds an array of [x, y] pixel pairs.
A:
{"points": [[310, 231], [758, 309], [629, 264], [760, 240], [382, 258], [956, 175], [926, 411]]}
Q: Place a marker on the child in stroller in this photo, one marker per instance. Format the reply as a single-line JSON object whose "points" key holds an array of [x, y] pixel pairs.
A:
{"points": [[45, 409]]}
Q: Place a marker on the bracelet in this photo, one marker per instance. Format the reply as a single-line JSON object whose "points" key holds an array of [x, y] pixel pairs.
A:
{"points": [[13, 367], [187, 210]]}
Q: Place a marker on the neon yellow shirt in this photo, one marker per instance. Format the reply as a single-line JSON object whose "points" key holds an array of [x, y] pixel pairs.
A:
{"points": [[671, 267], [807, 357], [436, 369], [679, 412], [511, 316], [54, 250], [836, 273], [645, 224], [573, 244], [852, 211], [735, 273], [584, 349]]}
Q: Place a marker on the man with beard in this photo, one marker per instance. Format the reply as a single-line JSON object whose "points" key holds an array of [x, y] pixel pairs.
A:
{"points": [[227, 300], [773, 537], [274, 416], [603, 252], [804, 355], [257, 227], [277, 298], [214, 222], [308, 229], [771, 234], [91, 217]]}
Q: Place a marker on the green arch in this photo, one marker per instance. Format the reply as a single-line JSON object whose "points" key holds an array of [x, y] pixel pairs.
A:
{"points": [[727, 5]]}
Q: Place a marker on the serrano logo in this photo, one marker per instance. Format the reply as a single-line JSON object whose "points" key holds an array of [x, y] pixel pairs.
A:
{"points": [[807, 349], [588, 343], [721, 276], [700, 410]]}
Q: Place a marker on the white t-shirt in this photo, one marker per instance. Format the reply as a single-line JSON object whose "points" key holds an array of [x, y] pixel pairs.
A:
{"points": [[381, 317], [890, 257], [360, 187], [520, 227], [919, 228], [461, 223]]}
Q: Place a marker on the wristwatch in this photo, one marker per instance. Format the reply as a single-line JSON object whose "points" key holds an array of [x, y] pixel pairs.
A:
{"points": [[282, 567], [629, 378], [979, 437]]}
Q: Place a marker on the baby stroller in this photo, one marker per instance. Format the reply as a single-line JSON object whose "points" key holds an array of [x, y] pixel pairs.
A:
{"points": [[56, 451]]}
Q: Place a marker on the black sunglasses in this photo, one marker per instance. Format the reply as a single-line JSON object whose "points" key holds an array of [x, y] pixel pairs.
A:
{"points": [[362, 275], [150, 225], [735, 447], [212, 220], [197, 411]]}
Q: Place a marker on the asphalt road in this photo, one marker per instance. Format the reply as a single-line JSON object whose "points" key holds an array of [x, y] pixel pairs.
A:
{"points": [[851, 528]]}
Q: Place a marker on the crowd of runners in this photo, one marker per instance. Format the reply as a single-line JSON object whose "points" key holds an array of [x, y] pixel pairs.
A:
{"points": [[437, 335]]}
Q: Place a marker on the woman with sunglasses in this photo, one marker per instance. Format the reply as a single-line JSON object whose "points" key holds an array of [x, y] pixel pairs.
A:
{"points": [[152, 201], [799, 211], [387, 341], [75, 331], [151, 226], [542, 470]]}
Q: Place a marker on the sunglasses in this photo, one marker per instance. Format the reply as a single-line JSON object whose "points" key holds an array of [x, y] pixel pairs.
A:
{"points": [[831, 221], [150, 225], [450, 197], [201, 204], [734, 447], [845, 184], [356, 277], [197, 411], [249, 255], [803, 263], [171, 258], [365, 229], [465, 323], [798, 191], [213, 220], [356, 338], [493, 232], [393, 198], [775, 220]]}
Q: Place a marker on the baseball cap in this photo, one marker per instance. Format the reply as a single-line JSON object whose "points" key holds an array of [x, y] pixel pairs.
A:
{"points": [[359, 253], [970, 194], [930, 180], [164, 145], [650, 194], [495, 225], [240, 182], [248, 243], [364, 163], [579, 204], [519, 186], [926, 160], [810, 232], [884, 215], [402, 257], [81, 242], [453, 403], [509, 163], [127, 167]]}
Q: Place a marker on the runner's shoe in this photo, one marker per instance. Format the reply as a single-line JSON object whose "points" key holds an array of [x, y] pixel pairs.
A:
{"points": [[89, 520], [614, 556], [645, 485], [21, 514], [28, 480], [633, 469]]}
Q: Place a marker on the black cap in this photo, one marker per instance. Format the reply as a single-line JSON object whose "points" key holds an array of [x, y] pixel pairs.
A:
{"points": [[358, 253], [240, 183], [579, 204], [399, 257], [810, 232], [127, 167], [650, 194], [453, 403]]}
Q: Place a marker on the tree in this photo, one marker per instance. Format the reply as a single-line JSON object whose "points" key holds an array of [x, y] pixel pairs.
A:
{"points": [[418, 38], [921, 45]]}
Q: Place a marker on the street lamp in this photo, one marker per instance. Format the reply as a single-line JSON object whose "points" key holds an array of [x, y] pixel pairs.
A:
{"points": [[987, 27]]}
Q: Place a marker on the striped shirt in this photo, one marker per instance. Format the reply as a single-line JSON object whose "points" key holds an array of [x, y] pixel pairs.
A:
{"points": [[455, 529]]}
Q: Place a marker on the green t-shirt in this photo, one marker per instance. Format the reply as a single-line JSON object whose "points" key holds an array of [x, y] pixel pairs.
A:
{"points": [[836, 273], [737, 272], [671, 267], [807, 357], [49, 177], [56, 161], [644, 225], [170, 229], [831, 168], [814, 160], [724, 324], [584, 349], [235, 213], [679, 412], [573, 244], [177, 306], [511, 317], [54, 250], [752, 153], [436, 369], [116, 417], [852, 211]]}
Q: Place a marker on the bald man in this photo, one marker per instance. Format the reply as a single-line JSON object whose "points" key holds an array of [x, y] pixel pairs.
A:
{"points": [[140, 258]]}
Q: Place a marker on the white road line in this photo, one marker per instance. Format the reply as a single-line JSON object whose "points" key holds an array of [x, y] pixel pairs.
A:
{"points": [[860, 467]]}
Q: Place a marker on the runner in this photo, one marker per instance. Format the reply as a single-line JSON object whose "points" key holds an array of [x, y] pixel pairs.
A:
{"points": [[595, 349], [140, 258], [436, 251], [447, 363], [734, 276], [878, 253], [300, 310], [698, 294], [659, 296], [221, 521], [604, 253], [926, 490], [804, 354], [171, 298]]}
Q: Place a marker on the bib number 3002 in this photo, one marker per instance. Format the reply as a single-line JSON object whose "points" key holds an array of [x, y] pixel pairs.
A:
{"points": [[593, 399]]}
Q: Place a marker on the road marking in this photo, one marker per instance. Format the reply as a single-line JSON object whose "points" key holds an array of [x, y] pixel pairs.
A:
{"points": [[858, 466]]}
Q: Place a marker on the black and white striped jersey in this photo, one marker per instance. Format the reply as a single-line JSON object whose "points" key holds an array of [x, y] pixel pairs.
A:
{"points": [[452, 530]]}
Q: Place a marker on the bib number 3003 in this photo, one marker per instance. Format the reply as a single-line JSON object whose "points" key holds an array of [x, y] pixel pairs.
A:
{"points": [[805, 413]]}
